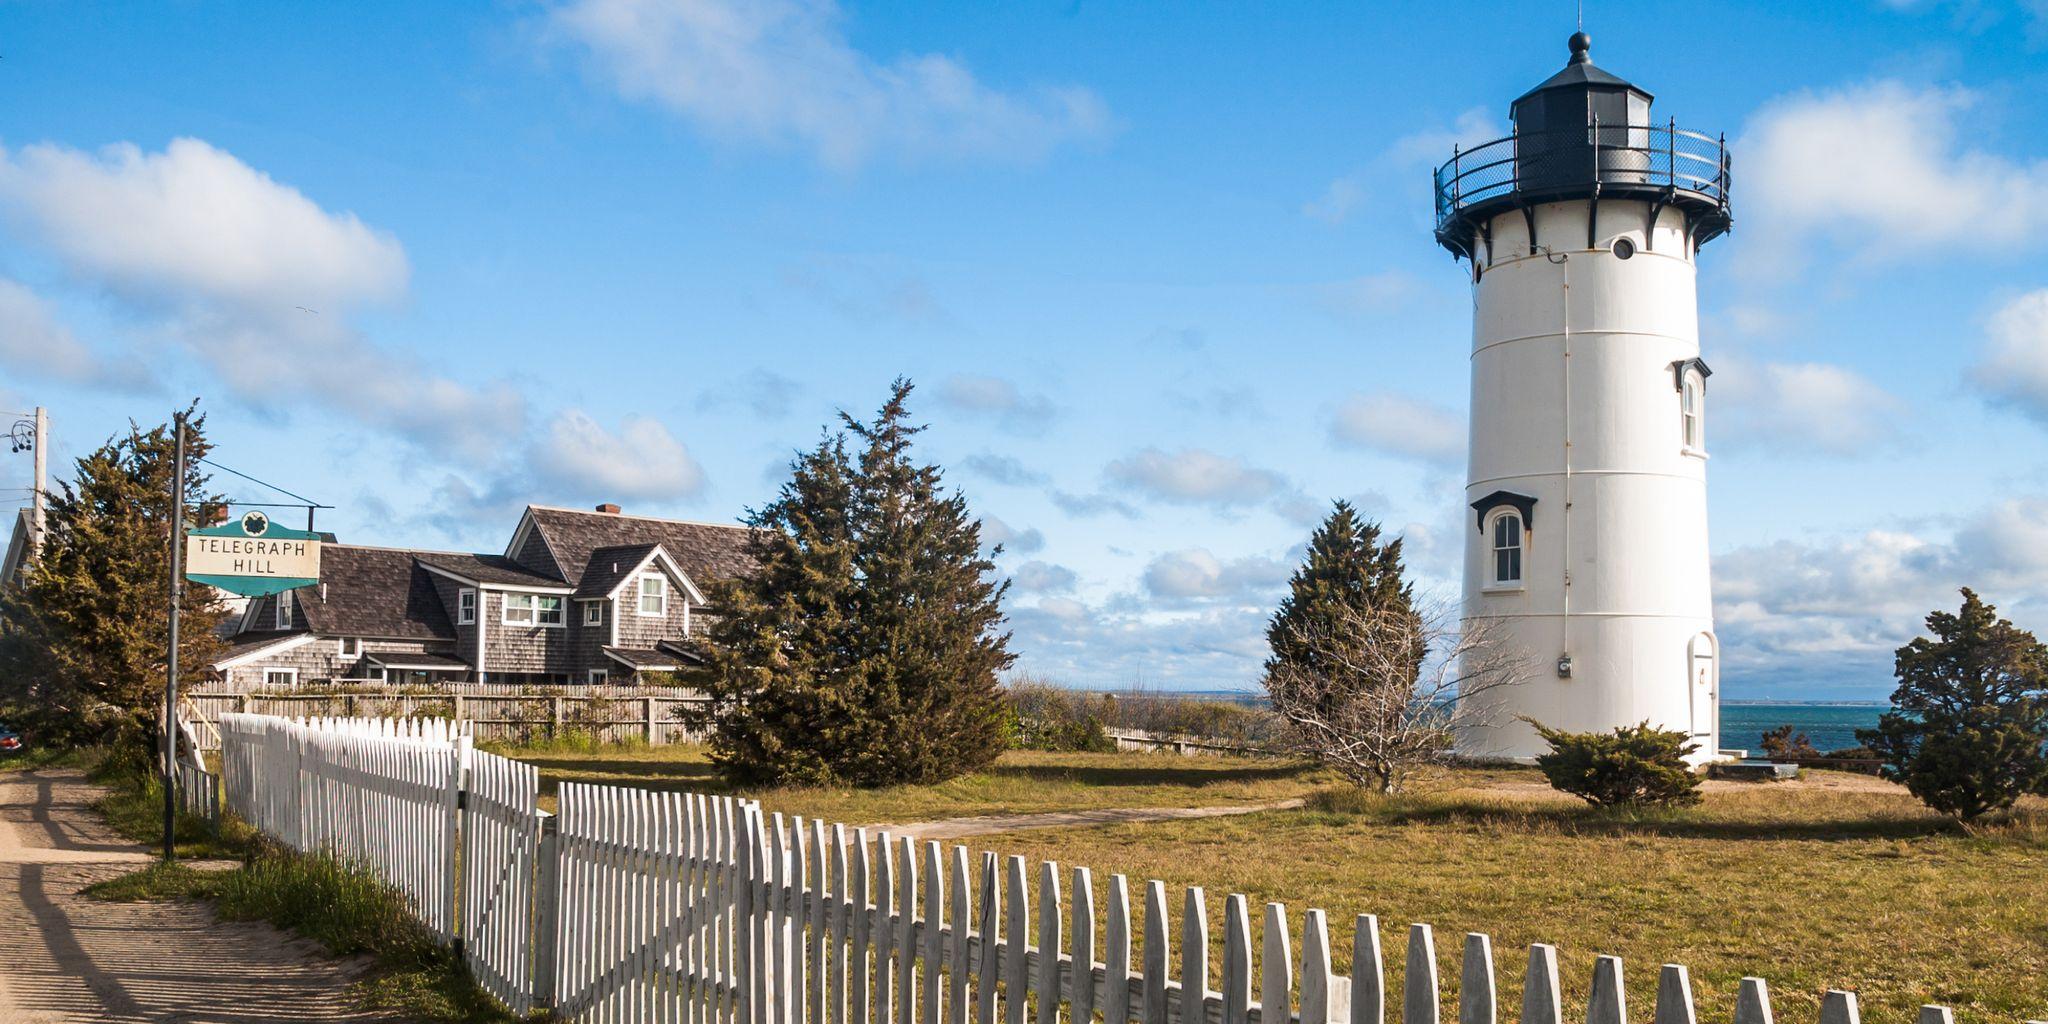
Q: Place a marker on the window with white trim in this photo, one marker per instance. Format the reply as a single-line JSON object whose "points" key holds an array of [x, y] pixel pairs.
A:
{"points": [[653, 596], [532, 610], [465, 606], [351, 647], [285, 601], [597, 675], [593, 613], [1692, 397], [281, 678], [1507, 550]]}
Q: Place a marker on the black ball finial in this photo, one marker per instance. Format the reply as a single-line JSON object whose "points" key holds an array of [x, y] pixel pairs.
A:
{"points": [[1582, 45]]}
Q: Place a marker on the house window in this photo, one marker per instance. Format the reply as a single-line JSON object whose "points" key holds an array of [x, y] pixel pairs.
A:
{"points": [[653, 595], [1691, 398], [593, 613], [1507, 549], [351, 647], [280, 679], [285, 601], [465, 607], [532, 610], [597, 675]]}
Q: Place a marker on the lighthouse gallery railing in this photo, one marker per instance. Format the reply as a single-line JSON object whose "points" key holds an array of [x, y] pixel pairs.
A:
{"points": [[1632, 158]]}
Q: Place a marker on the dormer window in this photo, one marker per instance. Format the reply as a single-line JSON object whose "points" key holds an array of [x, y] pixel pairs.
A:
{"points": [[285, 602], [1507, 550], [532, 610], [653, 596]]}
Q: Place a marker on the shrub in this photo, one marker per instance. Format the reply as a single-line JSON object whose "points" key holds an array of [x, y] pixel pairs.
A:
{"points": [[1783, 744], [1051, 717], [1969, 733], [1633, 765]]}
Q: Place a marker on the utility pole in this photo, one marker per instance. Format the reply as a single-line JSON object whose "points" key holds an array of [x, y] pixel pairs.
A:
{"points": [[171, 675], [38, 502]]}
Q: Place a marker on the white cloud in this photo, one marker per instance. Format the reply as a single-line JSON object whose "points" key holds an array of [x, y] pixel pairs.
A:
{"points": [[34, 343], [641, 461], [1433, 145], [1337, 202], [1389, 291], [1196, 573], [194, 221], [1834, 610], [1814, 406], [1037, 577], [251, 275], [1003, 469], [997, 398], [1195, 476], [994, 531], [1400, 425], [784, 71], [2014, 367], [1881, 161]]}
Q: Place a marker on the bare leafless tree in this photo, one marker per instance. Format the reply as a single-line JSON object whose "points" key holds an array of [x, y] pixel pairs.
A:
{"points": [[1367, 707]]}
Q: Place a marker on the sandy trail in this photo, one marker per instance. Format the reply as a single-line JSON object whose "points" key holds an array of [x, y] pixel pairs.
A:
{"points": [[66, 957]]}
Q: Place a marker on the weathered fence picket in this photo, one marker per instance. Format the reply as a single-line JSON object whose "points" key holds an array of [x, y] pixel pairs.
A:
{"points": [[636, 906]]}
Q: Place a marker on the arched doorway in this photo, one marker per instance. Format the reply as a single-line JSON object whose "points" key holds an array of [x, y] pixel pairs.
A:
{"points": [[1703, 674]]}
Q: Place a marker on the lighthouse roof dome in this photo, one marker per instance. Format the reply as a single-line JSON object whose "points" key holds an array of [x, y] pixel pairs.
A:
{"points": [[1581, 73]]}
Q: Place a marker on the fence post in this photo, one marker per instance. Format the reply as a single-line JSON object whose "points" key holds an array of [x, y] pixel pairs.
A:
{"points": [[547, 914], [650, 721], [554, 718]]}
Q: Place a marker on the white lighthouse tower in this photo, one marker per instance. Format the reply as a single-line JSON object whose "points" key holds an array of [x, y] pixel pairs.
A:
{"points": [[1586, 535]]}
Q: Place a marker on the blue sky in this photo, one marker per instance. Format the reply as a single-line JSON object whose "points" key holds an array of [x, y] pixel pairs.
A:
{"points": [[1164, 275]]}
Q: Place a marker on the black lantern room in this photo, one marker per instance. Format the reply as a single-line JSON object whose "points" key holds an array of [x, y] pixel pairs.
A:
{"points": [[1584, 134]]}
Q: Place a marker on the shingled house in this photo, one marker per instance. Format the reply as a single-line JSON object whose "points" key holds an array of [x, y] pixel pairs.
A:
{"points": [[577, 597]]}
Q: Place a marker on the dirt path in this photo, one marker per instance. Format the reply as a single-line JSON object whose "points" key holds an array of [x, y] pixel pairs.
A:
{"points": [[954, 828], [68, 957]]}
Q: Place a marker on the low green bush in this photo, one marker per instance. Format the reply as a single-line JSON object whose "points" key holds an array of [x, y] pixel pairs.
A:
{"points": [[1634, 765]]}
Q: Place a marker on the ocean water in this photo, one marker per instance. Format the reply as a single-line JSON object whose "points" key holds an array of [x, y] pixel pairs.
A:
{"points": [[1827, 726]]}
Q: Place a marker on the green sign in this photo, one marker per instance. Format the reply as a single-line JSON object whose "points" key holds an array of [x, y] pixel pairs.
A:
{"points": [[252, 556]]}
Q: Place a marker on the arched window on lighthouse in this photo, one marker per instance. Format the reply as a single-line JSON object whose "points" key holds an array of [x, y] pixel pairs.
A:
{"points": [[1692, 396], [1507, 549]]}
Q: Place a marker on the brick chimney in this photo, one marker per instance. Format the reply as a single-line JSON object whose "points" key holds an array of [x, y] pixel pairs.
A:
{"points": [[608, 509]]}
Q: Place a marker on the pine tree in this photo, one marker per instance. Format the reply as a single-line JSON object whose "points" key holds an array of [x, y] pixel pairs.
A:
{"points": [[84, 637], [1347, 571], [1348, 646], [1968, 732], [865, 648]]}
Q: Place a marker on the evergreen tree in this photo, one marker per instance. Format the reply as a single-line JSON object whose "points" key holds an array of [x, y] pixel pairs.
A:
{"points": [[1968, 732], [84, 636], [1346, 670], [865, 647], [1347, 572]]}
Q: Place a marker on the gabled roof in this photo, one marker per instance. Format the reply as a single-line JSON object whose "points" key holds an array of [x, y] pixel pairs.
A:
{"points": [[17, 548], [248, 646], [375, 592], [704, 551], [487, 569], [609, 566]]}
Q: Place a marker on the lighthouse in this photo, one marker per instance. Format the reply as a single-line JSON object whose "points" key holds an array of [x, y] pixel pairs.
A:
{"points": [[1586, 492]]}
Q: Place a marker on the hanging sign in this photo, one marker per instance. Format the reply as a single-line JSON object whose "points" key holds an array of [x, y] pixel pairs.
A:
{"points": [[252, 556]]}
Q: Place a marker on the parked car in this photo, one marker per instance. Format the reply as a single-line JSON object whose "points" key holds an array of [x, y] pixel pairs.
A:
{"points": [[10, 741]]}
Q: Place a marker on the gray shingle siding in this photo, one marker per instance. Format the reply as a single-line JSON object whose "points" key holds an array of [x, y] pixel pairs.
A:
{"points": [[320, 661]]}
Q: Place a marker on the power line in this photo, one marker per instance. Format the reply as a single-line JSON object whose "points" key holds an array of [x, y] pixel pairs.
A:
{"points": [[263, 483]]}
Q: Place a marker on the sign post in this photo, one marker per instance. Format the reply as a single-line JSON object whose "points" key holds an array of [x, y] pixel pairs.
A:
{"points": [[171, 675]]}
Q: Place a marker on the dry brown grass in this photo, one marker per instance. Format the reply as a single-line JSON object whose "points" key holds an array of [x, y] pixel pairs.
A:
{"points": [[1834, 881]]}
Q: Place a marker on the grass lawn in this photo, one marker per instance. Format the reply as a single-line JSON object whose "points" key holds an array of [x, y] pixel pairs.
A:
{"points": [[1811, 888], [1834, 881], [1021, 781]]}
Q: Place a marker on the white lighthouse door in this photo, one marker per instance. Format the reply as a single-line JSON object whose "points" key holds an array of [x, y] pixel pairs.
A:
{"points": [[1705, 681]]}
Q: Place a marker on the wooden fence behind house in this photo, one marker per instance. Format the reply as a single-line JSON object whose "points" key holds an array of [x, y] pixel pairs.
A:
{"points": [[524, 718], [641, 906]]}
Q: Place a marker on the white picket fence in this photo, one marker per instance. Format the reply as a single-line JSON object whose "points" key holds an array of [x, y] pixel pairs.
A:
{"points": [[640, 906]]}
